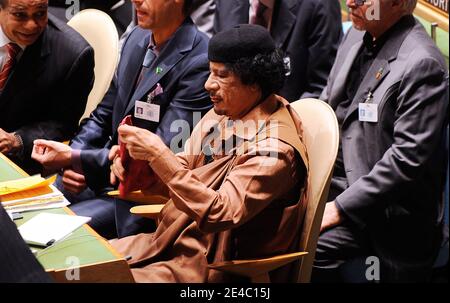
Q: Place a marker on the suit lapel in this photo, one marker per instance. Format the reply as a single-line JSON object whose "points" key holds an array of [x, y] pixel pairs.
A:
{"points": [[134, 64], [341, 77], [284, 17], [380, 67], [171, 54], [376, 74]]}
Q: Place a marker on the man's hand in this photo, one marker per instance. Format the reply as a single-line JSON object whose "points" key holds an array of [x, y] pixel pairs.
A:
{"points": [[52, 155], [117, 170], [331, 216], [141, 143], [73, 182], [8, 142]]}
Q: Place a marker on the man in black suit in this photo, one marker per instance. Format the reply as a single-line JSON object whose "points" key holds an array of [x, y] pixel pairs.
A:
{"points": [[18, 265], [46, 74], [308, 31]]}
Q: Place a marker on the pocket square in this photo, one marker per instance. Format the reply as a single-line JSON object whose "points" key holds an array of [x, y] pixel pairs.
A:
{"points": [[138, 173], [154, 93]]}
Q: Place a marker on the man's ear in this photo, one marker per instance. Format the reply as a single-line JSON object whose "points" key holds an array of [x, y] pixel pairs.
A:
{"points": [[255, 88]]}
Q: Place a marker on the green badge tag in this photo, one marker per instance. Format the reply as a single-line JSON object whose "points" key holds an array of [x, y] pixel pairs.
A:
{"points": [[159, 70]]}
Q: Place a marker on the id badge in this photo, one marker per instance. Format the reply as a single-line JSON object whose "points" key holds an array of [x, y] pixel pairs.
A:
{"points": [[368, 112], [146, 111]]}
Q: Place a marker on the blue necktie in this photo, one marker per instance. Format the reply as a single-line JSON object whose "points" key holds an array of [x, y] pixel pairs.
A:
{"points": [[148, 60], [149, 57]]}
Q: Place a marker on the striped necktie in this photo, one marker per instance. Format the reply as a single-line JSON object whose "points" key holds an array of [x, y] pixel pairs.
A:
{"points": [[13, 49]]}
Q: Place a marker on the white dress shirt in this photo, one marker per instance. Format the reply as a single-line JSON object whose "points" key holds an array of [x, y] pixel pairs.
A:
{"points": [[4, 40]]}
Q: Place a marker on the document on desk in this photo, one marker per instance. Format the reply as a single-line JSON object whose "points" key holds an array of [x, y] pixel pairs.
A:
{"points": [[23, 184], [45, 229], [33, 193]]}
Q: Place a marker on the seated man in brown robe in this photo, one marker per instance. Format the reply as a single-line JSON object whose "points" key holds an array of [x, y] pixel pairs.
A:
{"points": [[237, 189]]}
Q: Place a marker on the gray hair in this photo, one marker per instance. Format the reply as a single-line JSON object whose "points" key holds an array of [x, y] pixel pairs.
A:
{"points": [[409, 6]]}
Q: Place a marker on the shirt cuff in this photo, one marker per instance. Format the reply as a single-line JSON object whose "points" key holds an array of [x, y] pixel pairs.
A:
{"points": [[76, 161]]}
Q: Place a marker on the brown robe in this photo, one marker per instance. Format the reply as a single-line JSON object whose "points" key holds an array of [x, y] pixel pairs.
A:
{"points": [[246, 203]]}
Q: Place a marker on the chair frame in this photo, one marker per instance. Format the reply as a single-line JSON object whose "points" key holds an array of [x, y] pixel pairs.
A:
{"points": [[104, 77]]}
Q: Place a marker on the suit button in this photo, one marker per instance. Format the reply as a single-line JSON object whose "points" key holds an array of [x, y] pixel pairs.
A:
{"points": [[348, 137]]}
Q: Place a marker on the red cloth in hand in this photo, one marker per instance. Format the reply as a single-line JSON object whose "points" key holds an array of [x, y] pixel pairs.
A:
{"points": [[138, 173]]}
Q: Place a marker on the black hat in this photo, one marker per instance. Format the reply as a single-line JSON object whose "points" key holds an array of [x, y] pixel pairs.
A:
{"points": [[241, 41]]}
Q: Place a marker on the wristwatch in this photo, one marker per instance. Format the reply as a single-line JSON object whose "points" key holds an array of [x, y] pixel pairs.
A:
{"points": [[19, 142]]}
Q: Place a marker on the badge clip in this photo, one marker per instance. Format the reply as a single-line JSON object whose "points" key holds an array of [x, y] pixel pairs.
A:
{"points": [[369, 97]]}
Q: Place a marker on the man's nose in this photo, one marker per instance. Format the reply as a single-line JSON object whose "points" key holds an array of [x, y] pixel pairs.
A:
{"points": [[31, 25], [351, 3], [211, 85]]}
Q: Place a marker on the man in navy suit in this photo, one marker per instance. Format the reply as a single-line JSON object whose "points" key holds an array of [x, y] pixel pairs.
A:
{"points": [[163, 62], [46, 74], [308, 31]]}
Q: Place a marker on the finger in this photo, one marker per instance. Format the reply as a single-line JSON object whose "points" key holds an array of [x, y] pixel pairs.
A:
{"points": [[127, 129], [73, 185], [119, 173], [112, 178], [42, 142], [37, 150], [137, 152], [4, 147], [113, 152], [119, 166], [36, 153], [124, 138], [74, 176]]}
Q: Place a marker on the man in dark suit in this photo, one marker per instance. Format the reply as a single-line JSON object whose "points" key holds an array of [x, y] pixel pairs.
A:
{"points": [[308, 31], [47, 72], [164, 62], [18, 265], [389, 89]]}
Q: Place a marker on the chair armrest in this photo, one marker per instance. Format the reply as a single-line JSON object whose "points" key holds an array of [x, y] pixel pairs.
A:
{"points": [[139, 197], [147, 211], [256, 267]]}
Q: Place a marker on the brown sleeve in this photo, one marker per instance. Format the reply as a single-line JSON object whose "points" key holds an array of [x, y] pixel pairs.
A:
{"points": [[254, 182]]}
